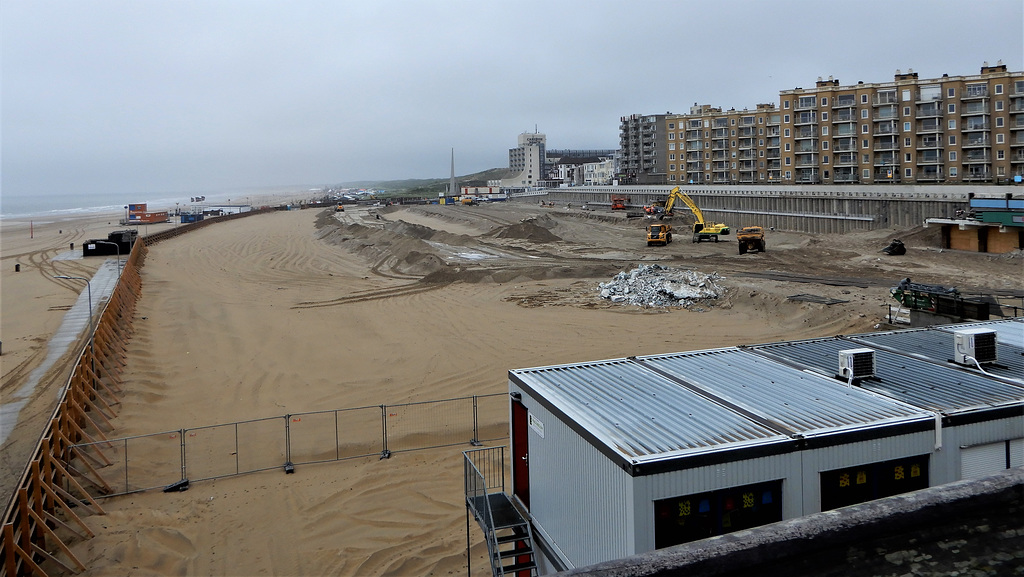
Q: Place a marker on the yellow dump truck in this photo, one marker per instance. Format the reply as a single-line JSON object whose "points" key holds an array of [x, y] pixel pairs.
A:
{"points": [[659, 234], [751, 238]]}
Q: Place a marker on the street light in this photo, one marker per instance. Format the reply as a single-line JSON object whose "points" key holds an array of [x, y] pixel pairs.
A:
{"points": [[118, 247]]}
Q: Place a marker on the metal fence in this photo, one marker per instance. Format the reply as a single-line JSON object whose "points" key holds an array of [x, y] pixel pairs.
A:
{"points": [[175, 458]]}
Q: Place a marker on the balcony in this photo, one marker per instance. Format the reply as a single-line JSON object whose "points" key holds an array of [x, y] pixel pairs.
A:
{"points": [[1017, 105], [929, 143], [929, 111], [974, 108], [845, 130], [929, 173], [975, 126], [720, 155], [806, 103], [810, 160], [774, 164], [883, 129], [747, 132], [805, 118], [887, 159], [1017, 139], [845, 160], [774, 153], [974, 92], [748, 154], [844, 144], [746, 143], [807, 176], [773, 131], [887, 175], [805, 132], [977, 157], [935, 96], [929, 157], [721, 165], [720, 145], [892, 145], [885, 114], [721, 178], [883, 98], [844, 116], [977, 142], [929, 125], [845, 101], [1017, 156], [748, 165], [806, 147], [982, 174]]}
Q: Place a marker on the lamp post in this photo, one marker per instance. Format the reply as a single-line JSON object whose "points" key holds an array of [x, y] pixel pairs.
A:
{"points": [[118, 247]]}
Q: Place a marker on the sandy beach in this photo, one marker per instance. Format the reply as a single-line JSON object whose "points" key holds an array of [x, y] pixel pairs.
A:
{"points": [[309, 310]]}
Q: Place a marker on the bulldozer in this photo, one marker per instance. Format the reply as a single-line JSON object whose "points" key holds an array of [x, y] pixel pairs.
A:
{"points": [[701, 230], [750, 238]]}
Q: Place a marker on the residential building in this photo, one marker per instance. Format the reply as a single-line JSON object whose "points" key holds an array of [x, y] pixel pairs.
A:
{"points": [[643, 142], [527, 162], [952, 130]]}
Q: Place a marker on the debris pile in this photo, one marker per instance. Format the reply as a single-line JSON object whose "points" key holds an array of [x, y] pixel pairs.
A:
{"points": [[654, 285]]}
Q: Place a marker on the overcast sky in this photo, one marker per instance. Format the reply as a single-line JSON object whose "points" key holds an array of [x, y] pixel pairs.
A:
{"points": [[180, 96]]}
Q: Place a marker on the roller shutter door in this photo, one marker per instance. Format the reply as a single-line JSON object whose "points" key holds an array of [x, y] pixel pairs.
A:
{"points": [[982, 460], [1017, 453]]}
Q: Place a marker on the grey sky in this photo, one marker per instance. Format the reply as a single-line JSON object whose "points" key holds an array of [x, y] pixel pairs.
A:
{"points": [[179, 96]]}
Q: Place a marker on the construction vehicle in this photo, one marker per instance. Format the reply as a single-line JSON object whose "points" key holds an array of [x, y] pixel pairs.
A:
{"points": [[701, 230], [468, 200], [659, 234], [619, 202], [751, 238], [339, 208]]}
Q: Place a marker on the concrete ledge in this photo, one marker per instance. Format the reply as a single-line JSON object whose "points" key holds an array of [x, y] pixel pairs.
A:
{"points": [[880, 536]]}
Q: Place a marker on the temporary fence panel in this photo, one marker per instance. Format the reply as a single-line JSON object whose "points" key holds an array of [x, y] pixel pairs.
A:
{"points": [[492, 417], [138, 463], [235, 448], [335, 435], [262, 444], [429, 424]]}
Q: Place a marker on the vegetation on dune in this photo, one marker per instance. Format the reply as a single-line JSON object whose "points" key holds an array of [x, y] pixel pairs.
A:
{"points": [[417, 187]]}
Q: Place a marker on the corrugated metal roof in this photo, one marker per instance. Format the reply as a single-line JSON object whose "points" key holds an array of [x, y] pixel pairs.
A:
{"points": [[640, 414], [914, 381], [938, 345], [804, 402], [1009, 331]]}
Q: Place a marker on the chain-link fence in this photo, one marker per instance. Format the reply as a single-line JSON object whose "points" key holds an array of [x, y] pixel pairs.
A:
{"points": [[169, 459]]}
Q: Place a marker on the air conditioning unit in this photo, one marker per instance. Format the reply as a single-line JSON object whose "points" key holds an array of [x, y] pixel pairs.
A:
{"points": [[857, 363], [979, 344]]}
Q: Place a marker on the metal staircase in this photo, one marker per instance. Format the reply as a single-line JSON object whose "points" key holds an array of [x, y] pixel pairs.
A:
{"points": [[506, 531]]}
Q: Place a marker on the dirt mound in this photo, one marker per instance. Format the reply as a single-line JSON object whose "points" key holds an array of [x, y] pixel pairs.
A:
{"points": [[529, 229]]}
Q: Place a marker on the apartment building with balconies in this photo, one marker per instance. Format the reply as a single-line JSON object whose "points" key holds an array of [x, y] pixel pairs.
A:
{"points": [[643, 144], [709, 146], [953, 129]]}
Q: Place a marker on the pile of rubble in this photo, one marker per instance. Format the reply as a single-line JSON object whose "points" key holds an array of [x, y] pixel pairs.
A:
{"points": [[654, 285]]}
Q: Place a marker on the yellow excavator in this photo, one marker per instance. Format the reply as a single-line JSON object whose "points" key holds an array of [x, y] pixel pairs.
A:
{"points": [[701, 230]]}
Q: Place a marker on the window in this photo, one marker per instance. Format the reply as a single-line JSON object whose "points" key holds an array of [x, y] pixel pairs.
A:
{"points": [[733, 130], [863, 98], [824, 131], [999, 122], [842, 487], [760, 120], [789, 174], [863, 128], [866, 159], [785, 119], [906, 142], [672, 156], [951, 108], [734, 166], [760, 142], [999, 105], [906, 127], [786, 132], [789, 161], [787, 147], [952, 171], [671, 167], [671, 125], [672, 136], [760, 130], [951, 92], [999, 88], [952, 124], [864, 113], [907, 172], [864, 144], [999, 140], [906, 157], [1000, 170], [952, 155], [906, 96], [906, 111], [824, 159], [824, 101], [1000, 154], [866, 173], [785, 104], [824, 115], [824, 145], [952, 140]]}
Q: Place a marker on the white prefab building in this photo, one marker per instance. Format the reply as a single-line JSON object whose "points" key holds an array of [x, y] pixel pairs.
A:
{"points": [[624, 456]]}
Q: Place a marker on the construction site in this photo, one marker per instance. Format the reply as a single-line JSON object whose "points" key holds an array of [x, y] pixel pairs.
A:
{"points": [[283, 315]]}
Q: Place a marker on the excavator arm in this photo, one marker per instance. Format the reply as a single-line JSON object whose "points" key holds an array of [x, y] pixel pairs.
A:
{"points": [[677, 194]]}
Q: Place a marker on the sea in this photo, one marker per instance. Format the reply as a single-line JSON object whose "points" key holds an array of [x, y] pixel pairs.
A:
{"points": [[53, 206]]}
